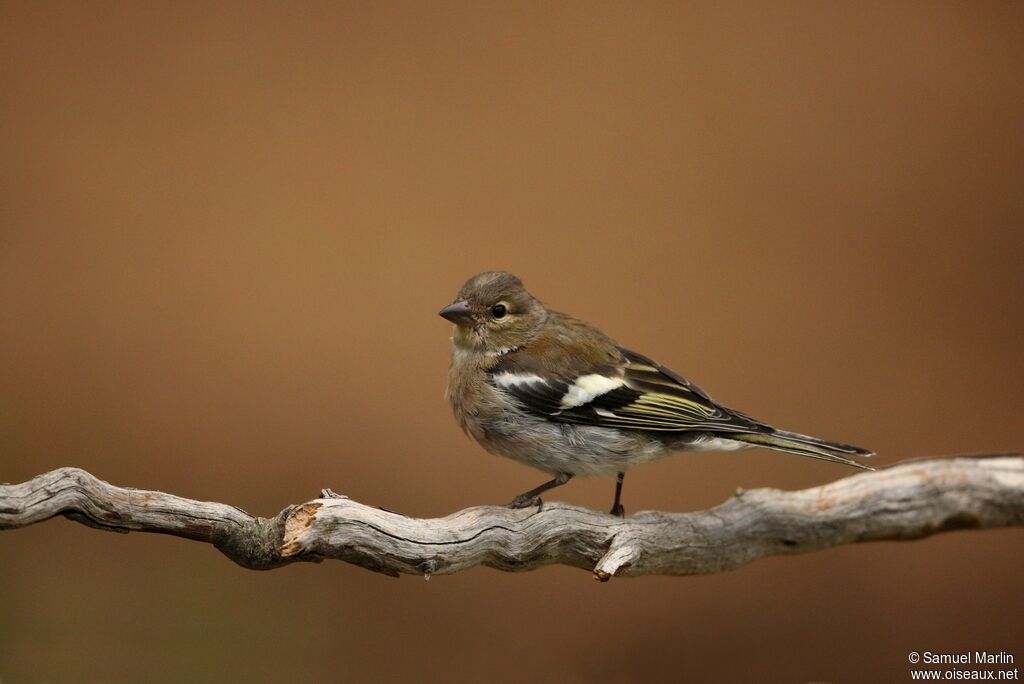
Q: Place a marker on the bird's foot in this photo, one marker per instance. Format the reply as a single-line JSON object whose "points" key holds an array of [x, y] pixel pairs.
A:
{"points": [[618, 510], [527, 501]]}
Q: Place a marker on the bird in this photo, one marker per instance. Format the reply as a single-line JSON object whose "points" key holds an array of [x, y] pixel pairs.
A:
{"points": [[556, 393]]}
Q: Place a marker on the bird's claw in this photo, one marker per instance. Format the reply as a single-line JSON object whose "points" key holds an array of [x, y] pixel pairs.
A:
{"points": [[618, 510], [524, 501]]}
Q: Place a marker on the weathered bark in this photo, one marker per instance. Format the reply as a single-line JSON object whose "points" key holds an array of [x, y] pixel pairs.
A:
{"points": [[907, 501]]}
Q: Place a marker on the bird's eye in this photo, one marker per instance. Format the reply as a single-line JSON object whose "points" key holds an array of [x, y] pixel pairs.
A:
{"points": [[499, 310]]}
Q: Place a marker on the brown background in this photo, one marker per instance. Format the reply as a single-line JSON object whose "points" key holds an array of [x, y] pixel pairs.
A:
{"points": [[226, 231]]}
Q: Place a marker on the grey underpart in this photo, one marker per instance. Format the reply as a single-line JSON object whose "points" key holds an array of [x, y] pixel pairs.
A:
{"points": [[583, 450]]}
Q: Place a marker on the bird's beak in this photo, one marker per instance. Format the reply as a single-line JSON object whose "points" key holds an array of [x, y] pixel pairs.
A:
{"points": [[458, 313]]}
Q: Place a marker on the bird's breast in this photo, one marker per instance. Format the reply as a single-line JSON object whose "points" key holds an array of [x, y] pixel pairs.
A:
{"points": [[468, 393]]}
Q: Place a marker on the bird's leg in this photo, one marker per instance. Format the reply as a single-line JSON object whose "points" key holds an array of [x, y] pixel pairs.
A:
{"points": [[532, 497], [617, 508]]}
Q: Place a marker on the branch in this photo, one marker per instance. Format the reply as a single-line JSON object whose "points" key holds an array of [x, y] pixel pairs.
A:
{"points": [[907, 501]]}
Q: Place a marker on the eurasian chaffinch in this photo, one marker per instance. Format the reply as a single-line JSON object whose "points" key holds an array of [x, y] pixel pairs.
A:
{"points": [[558, 394]]}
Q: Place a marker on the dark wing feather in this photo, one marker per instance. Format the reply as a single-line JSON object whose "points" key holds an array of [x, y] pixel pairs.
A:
{"points": [[647, 397], [644, 370], [541, 397]]}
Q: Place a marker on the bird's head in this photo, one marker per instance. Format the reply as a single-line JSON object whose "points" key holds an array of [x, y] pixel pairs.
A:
{"points": [[494, 313]]}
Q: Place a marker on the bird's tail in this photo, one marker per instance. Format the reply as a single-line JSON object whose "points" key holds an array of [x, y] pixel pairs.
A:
{"points": [[812, 447]]}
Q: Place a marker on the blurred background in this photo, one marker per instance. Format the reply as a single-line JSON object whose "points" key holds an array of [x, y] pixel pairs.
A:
{"points": [[226, 229]]}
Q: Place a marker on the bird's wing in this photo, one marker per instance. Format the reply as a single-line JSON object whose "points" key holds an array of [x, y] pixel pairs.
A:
{"points": [[602, 384]]}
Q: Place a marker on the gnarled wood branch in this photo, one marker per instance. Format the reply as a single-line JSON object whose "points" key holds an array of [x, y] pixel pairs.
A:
{"points": [[907, 501]]}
